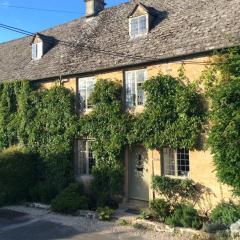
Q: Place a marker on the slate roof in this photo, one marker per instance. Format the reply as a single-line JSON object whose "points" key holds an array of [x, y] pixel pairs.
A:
{"points": [[180, 27]]}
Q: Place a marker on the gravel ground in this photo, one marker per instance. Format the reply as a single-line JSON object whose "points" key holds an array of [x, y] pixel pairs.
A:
{"points": [[45, 225]]}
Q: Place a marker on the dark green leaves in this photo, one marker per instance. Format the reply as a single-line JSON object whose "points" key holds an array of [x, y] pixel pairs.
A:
{"points": [[173, 115]]}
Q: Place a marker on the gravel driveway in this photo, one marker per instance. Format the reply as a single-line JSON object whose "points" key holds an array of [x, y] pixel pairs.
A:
{"points": [[22, 223]]}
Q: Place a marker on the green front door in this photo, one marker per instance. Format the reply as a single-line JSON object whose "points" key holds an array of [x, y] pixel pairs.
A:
{"points": [[138, 173]]}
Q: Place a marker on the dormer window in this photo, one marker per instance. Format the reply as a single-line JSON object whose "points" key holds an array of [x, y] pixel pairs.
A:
{"points": [[37, 50], [139, 21], [138, 26]]}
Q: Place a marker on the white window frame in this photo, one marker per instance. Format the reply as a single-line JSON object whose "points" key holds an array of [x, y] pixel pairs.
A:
{"points": [[86, 89], [175, 164], [135, 96], [37, 50], [83, 155], [142, 33]]}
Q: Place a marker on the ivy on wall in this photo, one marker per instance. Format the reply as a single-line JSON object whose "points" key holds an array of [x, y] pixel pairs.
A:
{"points": [[224, 135], [173, 115], [108, 125]]}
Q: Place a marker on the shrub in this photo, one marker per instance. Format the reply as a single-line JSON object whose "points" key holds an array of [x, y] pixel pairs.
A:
{"points": [[107, 185], [184, 215], [70, 200], [160, 208], [17, 175], [105, 213], [213, 227], [145, 214], [44, 192], [225, 213]]}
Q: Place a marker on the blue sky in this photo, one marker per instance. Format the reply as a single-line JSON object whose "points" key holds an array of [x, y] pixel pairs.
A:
{"points": [[35, 21]]}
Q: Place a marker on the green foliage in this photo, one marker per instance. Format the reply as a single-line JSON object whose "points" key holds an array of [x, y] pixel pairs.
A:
{"points": [[160, 209], [108, 184], [225, 118], [225, 213], [225, 132], [108, 125], [105, 213], [184, 216], [213, 227], [17, 175], [176, 190], [45, 123], [145, 214], [8, 114], [70, 200], [173, 115]]}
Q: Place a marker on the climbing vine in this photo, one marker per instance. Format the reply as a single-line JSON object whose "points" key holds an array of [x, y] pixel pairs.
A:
{"points": [[173, 115], [224, 135], [108, 125]]}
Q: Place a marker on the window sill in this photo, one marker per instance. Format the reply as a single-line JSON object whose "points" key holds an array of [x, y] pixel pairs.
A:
{"points": [[177, 177], [135, 37]]}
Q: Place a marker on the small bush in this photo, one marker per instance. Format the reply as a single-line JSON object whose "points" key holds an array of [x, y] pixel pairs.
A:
{"points": [[145, 214], [184, 215], [105, 213], [213, 227], [160, 209], [70, 200], [225, 213], [17, 175], [107, 185]]}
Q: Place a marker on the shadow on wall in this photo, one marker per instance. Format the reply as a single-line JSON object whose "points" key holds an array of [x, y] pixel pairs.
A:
{"points": [[205, 201]]}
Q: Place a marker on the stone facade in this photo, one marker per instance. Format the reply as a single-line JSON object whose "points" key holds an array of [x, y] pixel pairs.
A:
{"points": [[201, 162]]}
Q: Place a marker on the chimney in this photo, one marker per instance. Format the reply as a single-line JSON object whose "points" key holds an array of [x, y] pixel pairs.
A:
{"points": [[93, 7]]}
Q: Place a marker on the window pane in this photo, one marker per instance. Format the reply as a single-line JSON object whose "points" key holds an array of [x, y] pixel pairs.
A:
{"points": [[183, 162], [140, 93], [134, 26], [142, 24], [90, 87], [130, 89], [169, 162], [86, 86], [34, 51]]}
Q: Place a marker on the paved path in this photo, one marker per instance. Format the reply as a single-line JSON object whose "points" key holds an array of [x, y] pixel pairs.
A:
{"points": [[21, 223]]}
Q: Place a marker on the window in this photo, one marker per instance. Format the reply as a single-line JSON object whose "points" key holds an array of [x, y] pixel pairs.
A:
{"points": [[37, 50], [134, 87], [85, 88], [85, 160], [138, 26], [176, 162]]}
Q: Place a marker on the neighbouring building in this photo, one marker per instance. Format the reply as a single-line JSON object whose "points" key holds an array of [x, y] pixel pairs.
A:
{"points": [[130, 43]]}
